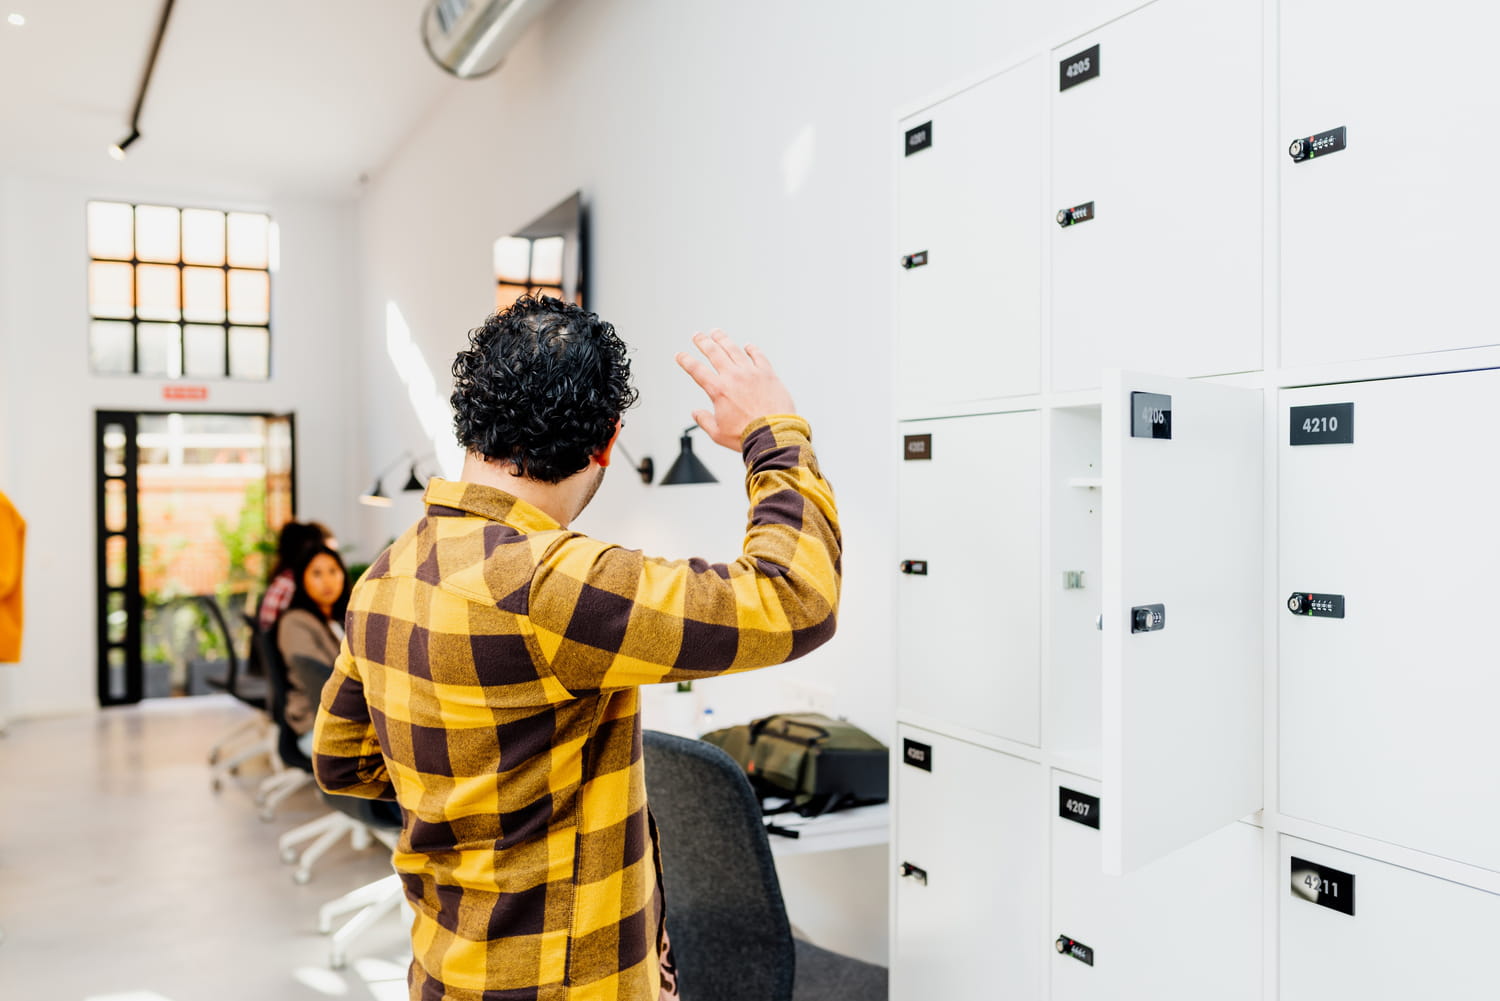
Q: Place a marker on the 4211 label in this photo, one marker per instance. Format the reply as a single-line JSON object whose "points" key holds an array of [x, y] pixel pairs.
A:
{"points": [[1322, 885]]}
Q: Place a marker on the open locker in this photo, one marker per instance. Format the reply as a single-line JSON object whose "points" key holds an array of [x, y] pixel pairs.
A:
{"points": [[1156, 187], [1187, 926], [971, 209], [1383, 243], [1389, 545], [969, 859], [1352, 927], [1155, 673], [969, 633]]}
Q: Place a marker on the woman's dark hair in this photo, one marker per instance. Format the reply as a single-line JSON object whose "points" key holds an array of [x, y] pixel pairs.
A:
{"points": [[301, 599], [295, 538], [541, 386]]}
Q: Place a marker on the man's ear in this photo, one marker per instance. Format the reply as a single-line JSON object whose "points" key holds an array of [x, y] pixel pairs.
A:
{"points": [[602, 456]]}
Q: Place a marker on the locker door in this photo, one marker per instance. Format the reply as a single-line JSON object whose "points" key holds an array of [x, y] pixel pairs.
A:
{"points": [[969, 628], [970, 317], [1410, 936], [1165, 143], [1387, 714], [1384, 245], [1183, 545], [968, 914], [1183, 927]]}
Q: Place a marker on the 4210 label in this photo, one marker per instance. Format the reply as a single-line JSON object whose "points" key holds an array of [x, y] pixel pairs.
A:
{"points": [[1323, 424]]}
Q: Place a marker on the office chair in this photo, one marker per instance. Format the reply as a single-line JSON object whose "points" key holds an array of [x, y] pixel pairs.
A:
{"points": [[725, 914], [372, 901], [252, 690], [357, 818], [298, 771]]}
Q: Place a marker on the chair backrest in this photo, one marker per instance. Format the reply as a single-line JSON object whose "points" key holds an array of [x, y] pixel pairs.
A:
{"points": [[276, 675], [725, 915]]}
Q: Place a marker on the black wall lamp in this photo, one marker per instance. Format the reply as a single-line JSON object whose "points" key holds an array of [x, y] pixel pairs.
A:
{"points": [[376, 495], [688, 468]]}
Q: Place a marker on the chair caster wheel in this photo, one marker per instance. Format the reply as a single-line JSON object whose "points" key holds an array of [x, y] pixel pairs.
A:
{"points": [[218, 785], [301, 877], [336, 963], [289, 856], [267, 814], [235, 770], [213, 757]]}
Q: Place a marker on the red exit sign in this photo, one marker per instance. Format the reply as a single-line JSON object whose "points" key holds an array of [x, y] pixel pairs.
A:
{"points": [[184, 393]]}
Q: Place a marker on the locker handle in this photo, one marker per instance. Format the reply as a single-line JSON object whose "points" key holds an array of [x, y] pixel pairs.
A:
{"points": [[909, 871]]}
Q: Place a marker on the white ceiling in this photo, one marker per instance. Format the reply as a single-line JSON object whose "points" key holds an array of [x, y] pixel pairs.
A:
{"points": [[261, 97]]}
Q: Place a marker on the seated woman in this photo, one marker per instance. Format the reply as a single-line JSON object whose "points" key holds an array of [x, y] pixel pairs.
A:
{"points": [[312, 626]]}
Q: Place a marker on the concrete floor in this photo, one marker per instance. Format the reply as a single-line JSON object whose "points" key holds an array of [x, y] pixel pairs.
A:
{"points": [[124, 877]]}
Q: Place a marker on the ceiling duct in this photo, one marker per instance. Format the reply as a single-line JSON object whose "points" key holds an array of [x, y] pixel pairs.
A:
{"points": [[470, 38]]}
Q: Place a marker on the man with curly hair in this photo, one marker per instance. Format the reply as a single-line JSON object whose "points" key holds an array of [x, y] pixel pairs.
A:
{"points": [[489, 679]]}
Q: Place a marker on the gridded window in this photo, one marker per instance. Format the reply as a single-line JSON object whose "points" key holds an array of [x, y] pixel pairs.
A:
{"points": [[179, 293], [524, 266]]}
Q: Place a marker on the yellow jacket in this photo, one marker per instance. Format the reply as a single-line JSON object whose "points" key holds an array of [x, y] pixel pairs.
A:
{"points": [[12, 546]]}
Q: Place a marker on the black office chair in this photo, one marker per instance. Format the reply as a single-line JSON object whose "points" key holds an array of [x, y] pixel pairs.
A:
{"points": [[298, 766], [249, 688], [725, 914]]}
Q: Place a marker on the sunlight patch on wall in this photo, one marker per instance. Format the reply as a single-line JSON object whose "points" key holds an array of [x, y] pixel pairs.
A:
{"points": [[430, 406]]}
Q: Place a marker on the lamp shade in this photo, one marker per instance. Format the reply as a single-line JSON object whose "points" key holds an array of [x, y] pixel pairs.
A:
{"points": [[412, 482], [688, 468]]}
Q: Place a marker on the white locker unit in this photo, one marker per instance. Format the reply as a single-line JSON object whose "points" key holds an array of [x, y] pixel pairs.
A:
{"points": [[1156, 660], [1409, 935], [1185, 927], [1158, 132], [971, 205], [969, 643], [1387, 713], [970, 858], [1383, 247]]}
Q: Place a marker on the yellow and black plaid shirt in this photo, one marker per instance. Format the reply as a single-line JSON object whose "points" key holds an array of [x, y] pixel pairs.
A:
{"points": [[488, 683]]}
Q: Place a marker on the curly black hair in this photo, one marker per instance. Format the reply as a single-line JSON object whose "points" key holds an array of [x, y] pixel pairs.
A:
{"points": [[541, 386]]}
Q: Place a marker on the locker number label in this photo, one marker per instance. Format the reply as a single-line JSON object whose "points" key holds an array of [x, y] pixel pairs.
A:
{"points": [[1322, 885], [917, 447], [1324, 424], [919, 138], [1150, 415], [1076, 69], [916, 754], [1079, 807]]}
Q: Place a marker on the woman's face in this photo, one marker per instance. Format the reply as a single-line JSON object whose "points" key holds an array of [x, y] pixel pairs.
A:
{"points": [[324, 581]]}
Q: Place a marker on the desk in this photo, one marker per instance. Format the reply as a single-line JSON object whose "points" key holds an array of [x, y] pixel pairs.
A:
{"points": [[859, 827]]}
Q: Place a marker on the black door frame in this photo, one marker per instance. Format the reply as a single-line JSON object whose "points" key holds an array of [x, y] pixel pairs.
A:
{"points": [[133, 602]]}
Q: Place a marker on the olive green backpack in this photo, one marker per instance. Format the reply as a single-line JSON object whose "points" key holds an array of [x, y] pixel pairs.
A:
{"points": [[815, 763]]}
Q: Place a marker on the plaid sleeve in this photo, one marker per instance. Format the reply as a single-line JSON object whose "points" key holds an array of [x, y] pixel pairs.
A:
{"points": [[607, 617], [346, 748]]}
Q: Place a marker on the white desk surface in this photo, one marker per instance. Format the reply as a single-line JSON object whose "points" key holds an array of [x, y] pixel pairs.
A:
{"points": [[856, 828]]}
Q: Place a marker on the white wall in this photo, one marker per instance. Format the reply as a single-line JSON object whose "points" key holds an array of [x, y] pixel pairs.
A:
{"points": [[47, 411], [738, 161]]}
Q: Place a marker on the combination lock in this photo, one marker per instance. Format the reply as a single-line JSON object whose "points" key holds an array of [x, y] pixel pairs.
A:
{"points": [[1075, 215], [1148, 618], [916, 567], [1323, 606], [1322, 144], [909, 261], [909, 871]]}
